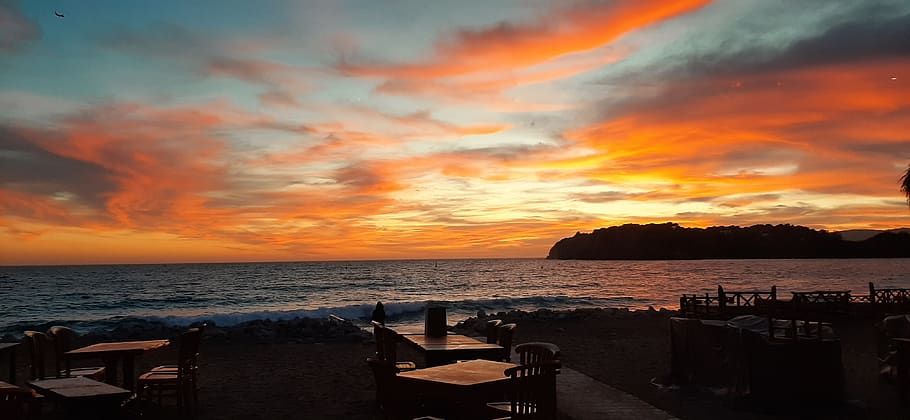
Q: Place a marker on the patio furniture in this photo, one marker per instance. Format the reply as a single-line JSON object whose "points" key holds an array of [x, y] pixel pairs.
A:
{"points": [[506, 334], [492, 330], [17, 403], [182, 381], [451, 347], [536, 352], [10, 350], [62, 339], [532, 391], [40, 346], [387, 347], [82, 397], [195, 366], [121, 353], [466, 387], [390, 400]]}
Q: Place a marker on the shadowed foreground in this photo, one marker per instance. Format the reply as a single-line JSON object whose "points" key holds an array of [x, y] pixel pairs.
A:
{"points": [[249, 380]]}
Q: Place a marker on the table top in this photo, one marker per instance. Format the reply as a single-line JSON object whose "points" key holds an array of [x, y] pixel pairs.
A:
{"points": [[8, 387], [449, 342], [121, 346], [465, 374], [411, 330], [4, 346], [77, 387]]}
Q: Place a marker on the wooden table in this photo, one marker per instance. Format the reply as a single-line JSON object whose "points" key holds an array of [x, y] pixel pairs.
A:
{"points": [[116, 353], [468, 385], [82, 396], [6, 388], [448, 348], [10, 350]]}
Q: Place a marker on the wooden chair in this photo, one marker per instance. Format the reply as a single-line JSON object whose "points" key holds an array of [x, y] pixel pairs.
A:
{"points": [[392, 402], [536, 352], [40, 346], [182, 381], [172, 369], [387, 347], [17, 403], [63, 339], [493, 330], [505, 333], [532, 392]]}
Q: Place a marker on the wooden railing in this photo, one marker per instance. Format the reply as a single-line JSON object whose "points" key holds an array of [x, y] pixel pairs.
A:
{"points": [[822, 297], [888, 295], [726, 304]]}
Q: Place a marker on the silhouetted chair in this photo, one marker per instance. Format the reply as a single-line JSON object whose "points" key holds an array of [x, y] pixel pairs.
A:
{"points": [[493, 330], [40, 346], [532, 392], [63, 339], [181, 382], [195, 367], [387, 347], [505, 333], [391, 401], [17, 403], [536, 352]]}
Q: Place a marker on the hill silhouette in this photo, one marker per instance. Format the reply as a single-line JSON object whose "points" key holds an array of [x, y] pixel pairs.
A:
{"points": [[670, 241]]}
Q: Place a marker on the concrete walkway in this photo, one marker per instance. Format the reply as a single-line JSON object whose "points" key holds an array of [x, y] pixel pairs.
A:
{"points": [[582, 397]]}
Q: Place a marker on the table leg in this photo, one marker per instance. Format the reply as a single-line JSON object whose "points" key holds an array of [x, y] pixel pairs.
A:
{"points": [[129, 375], [12, 366], [110, 368]]}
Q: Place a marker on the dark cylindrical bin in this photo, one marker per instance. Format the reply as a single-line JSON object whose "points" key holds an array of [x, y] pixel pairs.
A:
{"points": [[435, 322]]}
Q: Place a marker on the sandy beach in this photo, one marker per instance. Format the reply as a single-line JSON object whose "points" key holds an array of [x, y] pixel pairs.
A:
{"points": [[251, 374]]}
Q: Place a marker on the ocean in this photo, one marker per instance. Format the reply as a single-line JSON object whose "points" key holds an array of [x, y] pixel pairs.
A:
{"points": [[100, 296]]}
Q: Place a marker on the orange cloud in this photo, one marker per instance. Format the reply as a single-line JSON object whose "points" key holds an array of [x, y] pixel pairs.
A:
{"points": [[820, 129], [507, 46], [477, 66]]}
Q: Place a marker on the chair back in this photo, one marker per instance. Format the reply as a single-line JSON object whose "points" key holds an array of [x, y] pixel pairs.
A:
{"points": [[492, 330], [63, 339], [532, 390], [505, 334], [392, 401], [386, 343], [534, 352], [188, 351], [38, 345]]}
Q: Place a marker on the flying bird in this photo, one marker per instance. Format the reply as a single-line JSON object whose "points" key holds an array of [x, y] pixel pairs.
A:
{"points": [[59, 15]]}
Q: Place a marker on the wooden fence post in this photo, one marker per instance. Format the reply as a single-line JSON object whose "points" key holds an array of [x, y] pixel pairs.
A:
{"points": [[871, 293], [722, 299]]}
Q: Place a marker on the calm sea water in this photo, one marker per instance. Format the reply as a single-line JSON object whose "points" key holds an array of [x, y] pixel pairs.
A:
{"points": [[89, 297]]}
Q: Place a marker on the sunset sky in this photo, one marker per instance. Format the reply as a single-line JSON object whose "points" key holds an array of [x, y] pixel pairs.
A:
{"points": [[177, 131]]}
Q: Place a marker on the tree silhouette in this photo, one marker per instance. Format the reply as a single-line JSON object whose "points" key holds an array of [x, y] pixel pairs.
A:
{"points": [[905, 184]]}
